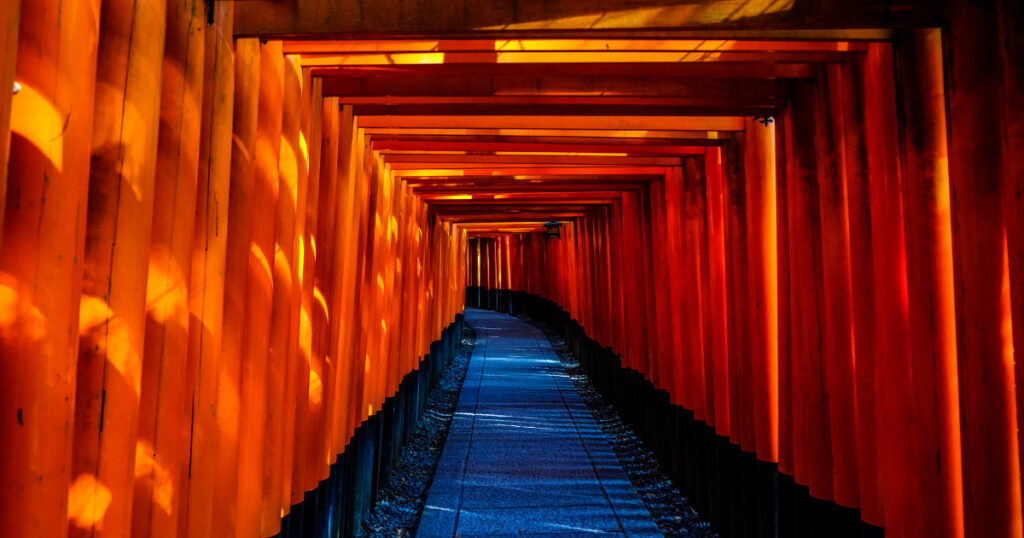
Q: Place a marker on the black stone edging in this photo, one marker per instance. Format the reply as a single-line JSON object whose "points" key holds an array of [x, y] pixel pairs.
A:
{"points": [[403, 495], [337, 506], [738, 494]]}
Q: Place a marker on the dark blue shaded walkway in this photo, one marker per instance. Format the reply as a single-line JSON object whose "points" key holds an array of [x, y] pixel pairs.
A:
{"points": [[524, 455]]}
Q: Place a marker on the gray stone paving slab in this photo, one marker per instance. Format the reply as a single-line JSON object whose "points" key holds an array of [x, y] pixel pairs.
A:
{"points": [[524, 455]]}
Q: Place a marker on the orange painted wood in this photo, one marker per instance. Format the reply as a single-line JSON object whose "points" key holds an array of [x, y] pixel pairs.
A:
{"points": [[684, 210], [814, 458], [862, 272], [988, 400], [168, 372], [651, 325], [795, 243], [281, 338], [308, 391], [741, 407], [319, 17], [252, 434], [1012, 59], [397, 306], [236, 274], [897, 464], [350, 161], [929, 266], [41, 268], [295, 128], [783, 179], [10, 17], [320, 385], [376, 283], [297, 384], [697, 292], [837, 348], [206, 293], [718, 319], [120, 216], [760, 168], [357, 268], [635, 348]]}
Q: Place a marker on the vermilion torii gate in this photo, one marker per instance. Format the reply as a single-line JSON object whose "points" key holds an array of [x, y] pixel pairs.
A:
{"points": [[237, 237]]}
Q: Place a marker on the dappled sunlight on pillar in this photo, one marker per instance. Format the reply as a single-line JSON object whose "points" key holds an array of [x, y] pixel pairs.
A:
{"points": [[88, 500], [38, 121]]}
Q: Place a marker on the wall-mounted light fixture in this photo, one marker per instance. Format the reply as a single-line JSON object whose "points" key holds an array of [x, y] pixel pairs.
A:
{"points": [[554, 229], [764, 120]]}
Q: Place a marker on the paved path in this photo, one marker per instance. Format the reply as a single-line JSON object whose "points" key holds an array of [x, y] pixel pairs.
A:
{"points": [[524, 455]]}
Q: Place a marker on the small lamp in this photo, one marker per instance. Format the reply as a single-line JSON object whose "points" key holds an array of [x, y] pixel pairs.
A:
{"points": [[554, 229]]}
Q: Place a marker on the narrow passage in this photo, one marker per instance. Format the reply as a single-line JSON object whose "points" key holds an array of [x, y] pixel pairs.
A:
{"points": [[524, 455]]}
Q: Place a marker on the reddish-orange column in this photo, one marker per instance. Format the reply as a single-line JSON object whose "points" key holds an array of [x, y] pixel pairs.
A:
{"points": [[812, 427], [239, 236], [759, 168], [932, 332], [284, 287], [837, 349], [206, 293], [741, 405], [168, 374], [696, 292], [308, 392], [863, 285], [120, 217], [783, 180], [349, 166], [319, 386], [667, 357], [991, 465], [1012, 58], [10, 16], [259, 289], [718, 318], [41, 269]]}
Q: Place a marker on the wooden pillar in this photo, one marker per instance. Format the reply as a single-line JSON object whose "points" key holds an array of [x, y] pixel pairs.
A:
{"points": [[977, 163], [308, 393], [1012, 59], [168, 373], [837, 349], [718, 320], [206, 293], [932, 331], [119, 220], [858, 187], [759, 167], [239, 236], [783, 179], [741, 406], [41, 268], [296, 128], [682, 338], [889, 368], [813, 437], [10, 17], [694, 185], [259, 293], [284, 291], [650, 284], [319, 380], [349, 163]]}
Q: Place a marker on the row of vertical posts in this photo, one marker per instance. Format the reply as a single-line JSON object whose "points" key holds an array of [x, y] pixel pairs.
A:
{"points": [[833, 290], [208, 279]]}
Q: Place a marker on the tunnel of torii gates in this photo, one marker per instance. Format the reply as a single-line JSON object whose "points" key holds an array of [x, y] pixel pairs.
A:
{"points": [[237, 239]]}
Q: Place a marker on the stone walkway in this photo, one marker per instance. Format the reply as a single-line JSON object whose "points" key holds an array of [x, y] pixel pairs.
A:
{"points": [[524, 455]]}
